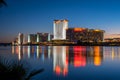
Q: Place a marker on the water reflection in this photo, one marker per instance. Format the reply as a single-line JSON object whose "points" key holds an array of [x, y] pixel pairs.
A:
{"points": [[59, 60], [32, 52], [64, 56], [79, 56], [112, 53], [97, 56]]}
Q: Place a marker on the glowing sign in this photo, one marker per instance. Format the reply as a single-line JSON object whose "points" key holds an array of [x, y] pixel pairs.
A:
{"points": [[78, 29], [97, 30]]}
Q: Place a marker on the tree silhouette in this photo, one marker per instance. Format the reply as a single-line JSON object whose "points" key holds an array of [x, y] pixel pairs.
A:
{"points": [[2, 2], [16, 70]]}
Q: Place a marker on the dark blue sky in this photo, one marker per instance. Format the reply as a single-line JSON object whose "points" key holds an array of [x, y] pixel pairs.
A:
{"points": [[32, 16]]}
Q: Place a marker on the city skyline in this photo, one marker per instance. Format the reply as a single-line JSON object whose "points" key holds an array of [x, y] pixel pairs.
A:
{"points": [[31, 16]]}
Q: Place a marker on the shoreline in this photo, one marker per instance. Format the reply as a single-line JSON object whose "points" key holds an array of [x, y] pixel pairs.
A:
{"points": [[68, 44]]}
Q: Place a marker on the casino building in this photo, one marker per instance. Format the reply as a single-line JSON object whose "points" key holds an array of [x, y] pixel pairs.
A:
{"points": [[84, 35]]}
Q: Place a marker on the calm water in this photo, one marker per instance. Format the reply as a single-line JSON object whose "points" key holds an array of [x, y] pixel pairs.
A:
{"points": [[69, 62]]}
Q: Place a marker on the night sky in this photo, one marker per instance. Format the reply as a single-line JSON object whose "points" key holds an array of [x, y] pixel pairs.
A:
{"points": [[32, 16]]}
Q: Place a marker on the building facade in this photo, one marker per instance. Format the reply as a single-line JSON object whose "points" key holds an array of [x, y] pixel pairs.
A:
{"points": [[84, 35], [39, 37], [44, 37], [59, 29], [20, 38], [32, 38]]}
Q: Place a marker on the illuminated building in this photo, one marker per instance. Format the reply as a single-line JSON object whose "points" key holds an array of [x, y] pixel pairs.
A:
{"points": [[112, 39], [59, 29], [75, 34], [44, 37], [49, 37], [32, 38], [84, 35], [60, 63], [20, 38], [96, 35], [39, 37]]}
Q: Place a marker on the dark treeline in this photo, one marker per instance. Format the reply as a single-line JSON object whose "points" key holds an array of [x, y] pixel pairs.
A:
{"points": [[98, 43], [2, 2], [5, 44], [69, 44], [91, 44]]}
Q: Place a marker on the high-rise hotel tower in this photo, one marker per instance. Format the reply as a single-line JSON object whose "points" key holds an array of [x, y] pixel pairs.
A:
{"points": [[59, 29]]}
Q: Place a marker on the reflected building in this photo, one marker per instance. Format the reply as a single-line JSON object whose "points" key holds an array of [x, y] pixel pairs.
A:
{"points": [[90, 54], [111, 53], [32, 51], [38, 51], [13, 49], [79, 56], [94, 55], [59, 60], [71, 55], [18, 50], [97, 56], [49, 52], [20, 54]]}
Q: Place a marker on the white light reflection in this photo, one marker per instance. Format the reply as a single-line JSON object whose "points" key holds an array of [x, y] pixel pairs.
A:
{"points": [[49, 51], [20, 52], [38, 51], [43, 53], [13, 49], [29, 51], [59, 60]]}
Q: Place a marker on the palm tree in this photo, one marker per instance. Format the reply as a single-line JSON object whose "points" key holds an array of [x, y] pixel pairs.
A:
{"points": [[2, 2], [16, 70]]}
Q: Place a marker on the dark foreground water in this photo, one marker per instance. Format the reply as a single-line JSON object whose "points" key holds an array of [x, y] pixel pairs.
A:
{"points": [[69, 62]]}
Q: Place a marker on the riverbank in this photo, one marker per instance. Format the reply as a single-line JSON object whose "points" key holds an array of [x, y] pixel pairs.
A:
{"points": [[68, 44]]}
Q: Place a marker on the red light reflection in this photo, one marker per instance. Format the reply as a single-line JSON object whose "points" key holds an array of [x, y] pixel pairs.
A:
{"points": [[79, 56]]}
